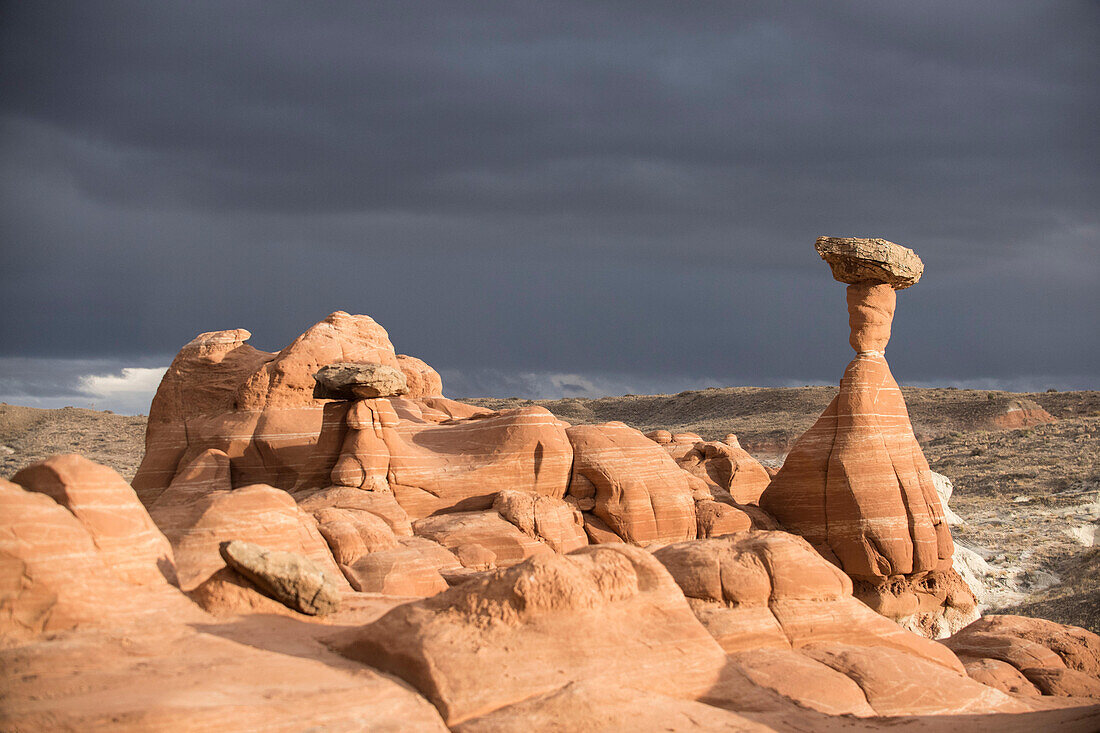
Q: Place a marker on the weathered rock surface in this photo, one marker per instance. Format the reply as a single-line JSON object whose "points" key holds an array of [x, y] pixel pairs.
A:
{"points": [[887, 679], [1057, 660], [53, 577], [638, 490], [770, 589], [857, 485], [120, 527], [262, 673], [555, 522], [487, 530], [423, 381], [715, 519], [356, 381], [260, 514], [290, 578], [935, 604], [355, 504], [598, 615], [462, 466], [731, 471], [413, 568], [856, 260]]}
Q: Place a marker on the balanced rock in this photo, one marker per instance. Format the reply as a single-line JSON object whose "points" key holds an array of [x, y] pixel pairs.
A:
{"points": [[857, 484], [855, 260], [290, 578], [351, 381]]}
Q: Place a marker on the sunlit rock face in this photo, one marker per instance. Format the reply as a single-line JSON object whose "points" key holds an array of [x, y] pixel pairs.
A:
{"points": [[318, 538], [856, 484]]}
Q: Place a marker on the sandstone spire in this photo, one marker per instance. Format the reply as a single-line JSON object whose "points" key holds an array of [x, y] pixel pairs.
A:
{"points": [[857, 484]]}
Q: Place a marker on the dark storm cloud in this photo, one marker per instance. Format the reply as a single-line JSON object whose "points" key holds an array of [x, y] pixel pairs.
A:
{"points": [[568, 189]]}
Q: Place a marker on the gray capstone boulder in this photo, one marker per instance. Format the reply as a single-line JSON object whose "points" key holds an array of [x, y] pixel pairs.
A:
{"points": [[293, 580], [357, 381], [856, 260]]}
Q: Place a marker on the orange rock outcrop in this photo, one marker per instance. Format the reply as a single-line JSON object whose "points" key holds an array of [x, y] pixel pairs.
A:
{"points": [[504, 571]]}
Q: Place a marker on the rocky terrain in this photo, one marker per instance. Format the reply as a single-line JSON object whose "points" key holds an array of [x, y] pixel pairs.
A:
{"points": [[319, 539], [1028, 495]]}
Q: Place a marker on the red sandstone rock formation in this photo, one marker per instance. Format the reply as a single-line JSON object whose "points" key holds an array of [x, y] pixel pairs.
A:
{"points": [[633, 485], [120, 527], [601, 614], [417, 496], [1030, 656], [727, 469], [857, 484]]}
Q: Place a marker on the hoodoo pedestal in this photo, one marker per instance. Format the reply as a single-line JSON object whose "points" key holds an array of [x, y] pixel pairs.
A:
{"points": [[857, 484]]}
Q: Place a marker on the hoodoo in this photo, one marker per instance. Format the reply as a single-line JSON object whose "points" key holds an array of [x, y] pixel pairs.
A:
{"points": [[856, 484], [318, 538]]}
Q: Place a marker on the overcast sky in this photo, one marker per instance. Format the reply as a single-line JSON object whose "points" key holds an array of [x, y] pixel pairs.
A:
{"points": [[545, 198]]}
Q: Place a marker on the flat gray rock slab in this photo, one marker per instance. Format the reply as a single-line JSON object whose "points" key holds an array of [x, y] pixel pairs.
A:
{"points": [[358, 381], [293, 580], [856, 260]]}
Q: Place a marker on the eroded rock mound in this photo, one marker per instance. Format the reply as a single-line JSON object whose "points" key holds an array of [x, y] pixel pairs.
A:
{"points": [[633, 486], [119, 525], [599, 614], [728, 469], [53, 577], [1030, 656]]}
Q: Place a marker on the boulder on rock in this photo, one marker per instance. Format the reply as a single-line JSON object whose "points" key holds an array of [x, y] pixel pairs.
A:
{"points": [[260, 514], [855, 260], [292, 579], [358, 381]]}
